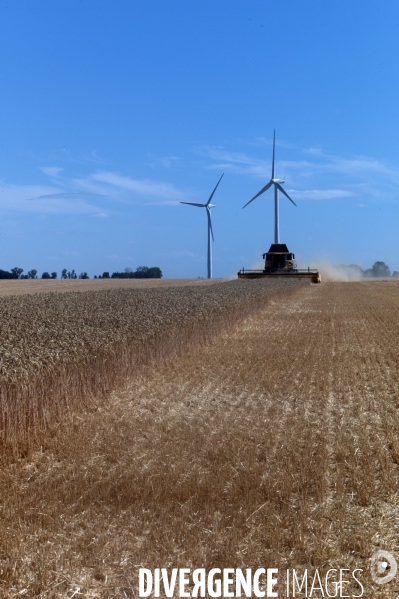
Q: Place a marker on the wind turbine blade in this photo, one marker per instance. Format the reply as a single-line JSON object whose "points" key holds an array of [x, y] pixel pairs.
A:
{"points": [[211, 196], [210, 223], [192, 204], [274, 147], [284, 192], [265, 188]]}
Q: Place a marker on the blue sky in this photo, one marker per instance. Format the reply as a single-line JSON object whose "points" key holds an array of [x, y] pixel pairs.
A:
{"points": [[114, 112]]}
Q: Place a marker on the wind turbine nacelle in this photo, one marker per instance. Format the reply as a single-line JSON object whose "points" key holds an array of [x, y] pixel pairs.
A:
{"points": [[211, 205], [278, 181]]}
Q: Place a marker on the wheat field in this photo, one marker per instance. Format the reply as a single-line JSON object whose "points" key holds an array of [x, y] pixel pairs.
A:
{"points": [[273, 442], [25, 286], [61, 350]]}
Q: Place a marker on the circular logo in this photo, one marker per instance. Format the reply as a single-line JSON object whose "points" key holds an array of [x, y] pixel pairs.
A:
{"points": [[383, 567]]}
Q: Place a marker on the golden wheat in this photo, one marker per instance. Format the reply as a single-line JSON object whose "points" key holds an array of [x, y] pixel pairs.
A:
{"points": [[60, 349], [24, 286]]}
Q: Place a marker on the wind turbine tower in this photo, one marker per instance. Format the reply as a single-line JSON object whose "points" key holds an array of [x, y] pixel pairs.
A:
{"points": [[208, 207], [277, 187]]}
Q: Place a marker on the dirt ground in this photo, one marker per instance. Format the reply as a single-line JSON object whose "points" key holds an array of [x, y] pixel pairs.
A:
{"points": [[276, 445], [24, 286]]}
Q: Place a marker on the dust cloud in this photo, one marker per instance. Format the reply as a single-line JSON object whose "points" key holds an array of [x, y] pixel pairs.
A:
{"points": [[331, 272]]}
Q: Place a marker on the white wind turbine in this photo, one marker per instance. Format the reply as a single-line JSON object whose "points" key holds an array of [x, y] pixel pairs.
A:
{"points": [[208, 207], [277, 187]]}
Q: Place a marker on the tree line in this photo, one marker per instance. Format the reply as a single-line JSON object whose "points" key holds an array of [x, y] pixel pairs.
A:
{"points": [[141, 272], [379, 269]]}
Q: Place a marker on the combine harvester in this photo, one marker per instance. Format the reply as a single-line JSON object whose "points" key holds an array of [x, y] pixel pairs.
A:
{"points": [[279, 261]]}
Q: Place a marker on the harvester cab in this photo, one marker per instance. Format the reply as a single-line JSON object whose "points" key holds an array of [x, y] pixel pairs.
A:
{"points": [[279, 258]]}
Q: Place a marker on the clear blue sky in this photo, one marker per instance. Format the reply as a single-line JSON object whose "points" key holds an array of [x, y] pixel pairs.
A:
{"points": [[114, 112]]}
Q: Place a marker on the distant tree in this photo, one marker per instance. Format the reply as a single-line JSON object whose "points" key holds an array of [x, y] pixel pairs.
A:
{"points": [[46, 275], [123, 275], [72, 275], [32, 274], [395, 274], [4, 274], [155, 272], [64, 273], [95, 276], [17, 272], [24, 277], [128, 269], [105, 275], [143, 272], [84, 275], [54, 275], [379, 269]]}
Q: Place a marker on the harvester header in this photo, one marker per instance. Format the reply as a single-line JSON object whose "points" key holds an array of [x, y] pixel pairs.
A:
{"points": [[280, 262]]}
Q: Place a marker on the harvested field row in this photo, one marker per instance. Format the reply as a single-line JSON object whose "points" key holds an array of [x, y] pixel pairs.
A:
{"points": [[23, 286], [58, 350]]}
